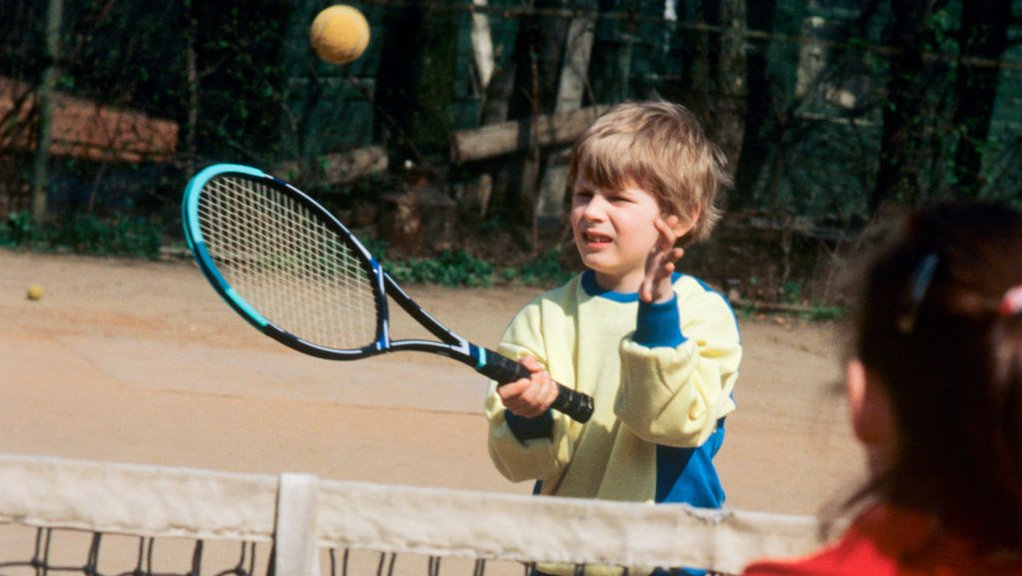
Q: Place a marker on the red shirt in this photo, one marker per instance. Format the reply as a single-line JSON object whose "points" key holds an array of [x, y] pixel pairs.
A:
{"points": [[887, 541]]}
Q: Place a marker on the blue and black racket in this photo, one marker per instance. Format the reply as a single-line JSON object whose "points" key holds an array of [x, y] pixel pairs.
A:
{"points": [[297, 274]]}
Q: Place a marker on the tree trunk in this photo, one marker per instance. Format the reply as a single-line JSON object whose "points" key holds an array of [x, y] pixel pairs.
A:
{"points": [[760, 107], [44, 105], [488, 182], [192, 87], [726, 123], [610, 69], [539, 48], [550, 205], [415, 81], [983, 40], [713, 73], [696, 82], [913, 83], [482, 46]]}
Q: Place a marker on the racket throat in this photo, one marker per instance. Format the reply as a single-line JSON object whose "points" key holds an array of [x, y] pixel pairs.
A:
{"points": [[479, 355]]}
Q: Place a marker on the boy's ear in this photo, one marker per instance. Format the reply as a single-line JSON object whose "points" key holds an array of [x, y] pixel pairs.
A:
{"points": [[871, 412], [685, 226]]}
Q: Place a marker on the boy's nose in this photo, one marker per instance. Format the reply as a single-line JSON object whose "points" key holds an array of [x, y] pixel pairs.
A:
{"points": [[595, 208]]}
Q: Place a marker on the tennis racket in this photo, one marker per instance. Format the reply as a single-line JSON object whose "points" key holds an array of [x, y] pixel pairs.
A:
{"points": [[299, 276]]}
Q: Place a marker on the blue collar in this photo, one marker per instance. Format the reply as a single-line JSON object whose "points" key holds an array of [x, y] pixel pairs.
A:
{"points": [[593, 289]]}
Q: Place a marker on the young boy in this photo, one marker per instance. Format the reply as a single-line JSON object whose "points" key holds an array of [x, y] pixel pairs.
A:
{"points": [[657, 350]]}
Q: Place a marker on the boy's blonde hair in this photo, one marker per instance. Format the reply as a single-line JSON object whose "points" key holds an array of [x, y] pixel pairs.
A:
{"points": [[660, 147]]}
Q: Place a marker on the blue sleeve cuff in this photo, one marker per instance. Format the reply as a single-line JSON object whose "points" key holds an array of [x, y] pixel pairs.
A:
{"points": [[530, 428], [659, 325]]}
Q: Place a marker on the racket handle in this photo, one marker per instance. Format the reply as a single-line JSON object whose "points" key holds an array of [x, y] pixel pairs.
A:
{"points": [[577, 405]]}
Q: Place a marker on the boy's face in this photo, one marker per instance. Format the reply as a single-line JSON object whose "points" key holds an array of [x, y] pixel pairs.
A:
{"points": [[614, 232]]}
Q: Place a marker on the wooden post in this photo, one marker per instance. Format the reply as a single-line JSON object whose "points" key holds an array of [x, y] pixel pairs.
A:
{"points": [[54, 16]]}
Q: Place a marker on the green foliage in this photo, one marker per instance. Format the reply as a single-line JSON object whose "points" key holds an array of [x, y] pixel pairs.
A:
{"points": [[791, 291], [88, 234], [83, 234], [378, 248], [943, 29], [547, 270], [461, 269], [452, 269], [17, 230], [823, 313]]}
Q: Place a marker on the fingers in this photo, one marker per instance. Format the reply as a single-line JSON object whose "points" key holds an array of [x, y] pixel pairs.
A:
{"points": [[645, 294], [656, 285], [531, 363], [666, 229], [659, 290], [529, 397]]}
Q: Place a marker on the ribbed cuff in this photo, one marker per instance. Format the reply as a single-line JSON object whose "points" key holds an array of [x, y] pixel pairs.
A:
{"points": [[659, 324]]}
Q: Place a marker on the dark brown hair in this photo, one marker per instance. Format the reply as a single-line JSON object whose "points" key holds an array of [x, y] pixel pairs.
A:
{"points": [[930, 325]]}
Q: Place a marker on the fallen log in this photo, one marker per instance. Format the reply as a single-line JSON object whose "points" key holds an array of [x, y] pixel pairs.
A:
{"points": [[508, 137], [340, 167]]}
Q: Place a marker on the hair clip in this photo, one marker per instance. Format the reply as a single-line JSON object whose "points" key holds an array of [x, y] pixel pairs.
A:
{"points": [[918, 286], [1011, 302]]}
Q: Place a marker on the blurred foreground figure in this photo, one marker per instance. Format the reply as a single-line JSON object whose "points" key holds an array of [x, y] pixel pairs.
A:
{"points": [[934, 381]]}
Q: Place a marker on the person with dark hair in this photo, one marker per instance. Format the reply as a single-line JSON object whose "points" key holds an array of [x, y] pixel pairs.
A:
{"points": [[934, 383]]}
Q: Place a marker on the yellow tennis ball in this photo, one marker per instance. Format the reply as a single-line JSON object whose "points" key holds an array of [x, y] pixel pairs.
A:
{"points": [[339, 34], [35, 292]]}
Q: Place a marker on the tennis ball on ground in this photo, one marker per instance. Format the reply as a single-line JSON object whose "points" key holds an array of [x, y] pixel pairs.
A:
{"points": [[35, 292], [339, 34]]}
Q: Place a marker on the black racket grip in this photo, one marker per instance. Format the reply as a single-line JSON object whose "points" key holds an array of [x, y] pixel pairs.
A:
{"points": [[577, 405]]}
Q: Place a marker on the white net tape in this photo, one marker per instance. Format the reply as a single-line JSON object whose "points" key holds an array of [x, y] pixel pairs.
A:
{"points": [[303, 516]]}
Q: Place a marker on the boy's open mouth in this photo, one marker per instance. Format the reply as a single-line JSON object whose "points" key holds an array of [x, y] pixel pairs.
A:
{"points": [[596, 237]]}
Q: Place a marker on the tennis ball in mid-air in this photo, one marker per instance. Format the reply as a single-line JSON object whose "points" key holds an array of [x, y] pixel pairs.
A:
{"points": [[35, 292], [339, 34]]}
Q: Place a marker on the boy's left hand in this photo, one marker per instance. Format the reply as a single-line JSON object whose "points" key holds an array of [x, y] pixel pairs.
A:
{"points": [[656, 286]]}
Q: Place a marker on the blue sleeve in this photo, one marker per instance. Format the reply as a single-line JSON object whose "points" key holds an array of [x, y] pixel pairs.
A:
{"points": [[530, 428], [659, 325]]}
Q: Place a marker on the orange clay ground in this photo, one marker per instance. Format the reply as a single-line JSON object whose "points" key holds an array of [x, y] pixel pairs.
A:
{"points": [[141, 362]]}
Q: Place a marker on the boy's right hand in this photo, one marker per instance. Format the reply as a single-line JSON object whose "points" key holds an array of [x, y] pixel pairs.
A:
{"points": [[529, 397], [660, 265]]}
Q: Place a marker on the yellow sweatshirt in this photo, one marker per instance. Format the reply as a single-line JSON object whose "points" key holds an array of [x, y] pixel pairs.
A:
{"points": [[657, 408]]}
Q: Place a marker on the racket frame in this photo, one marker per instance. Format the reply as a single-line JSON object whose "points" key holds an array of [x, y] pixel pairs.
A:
{"points": [[450, 345], [489, 363]]}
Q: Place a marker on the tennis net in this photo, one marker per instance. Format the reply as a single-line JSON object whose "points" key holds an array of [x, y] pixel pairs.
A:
{"points": [[76, 517]]}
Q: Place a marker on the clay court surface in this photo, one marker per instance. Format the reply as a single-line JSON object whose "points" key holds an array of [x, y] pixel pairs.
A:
{"points": [[141, 362]]}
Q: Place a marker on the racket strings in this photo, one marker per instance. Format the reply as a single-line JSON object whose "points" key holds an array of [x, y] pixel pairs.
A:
{"points": [[287, 263]]}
